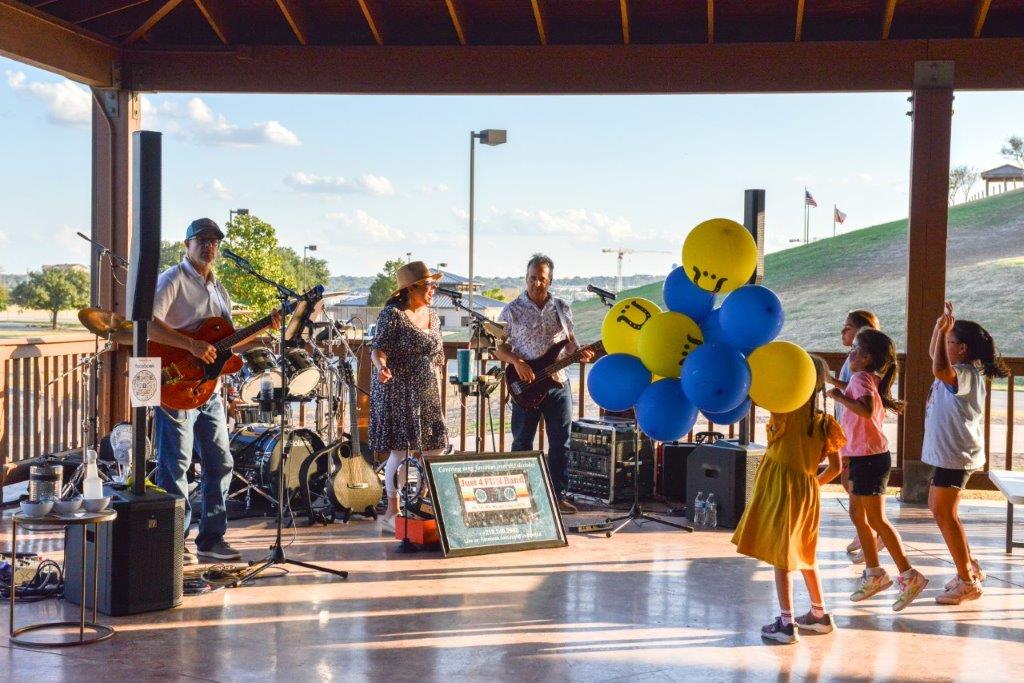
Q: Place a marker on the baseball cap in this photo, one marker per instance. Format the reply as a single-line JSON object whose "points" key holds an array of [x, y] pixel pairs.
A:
{"points": [[203, 225]]}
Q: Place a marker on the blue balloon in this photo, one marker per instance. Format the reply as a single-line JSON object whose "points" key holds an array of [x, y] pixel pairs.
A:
{"points": [[715, 378], [663, 412], [750, 317], [616, 381], [730, 416], [711, 327], [682, 296]]}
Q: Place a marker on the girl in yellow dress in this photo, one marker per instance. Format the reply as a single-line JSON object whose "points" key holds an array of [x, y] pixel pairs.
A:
{"points": [[780, 524]]}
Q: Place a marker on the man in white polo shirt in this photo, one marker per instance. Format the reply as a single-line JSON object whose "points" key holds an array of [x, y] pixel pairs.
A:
{"points": [[187, 294]]}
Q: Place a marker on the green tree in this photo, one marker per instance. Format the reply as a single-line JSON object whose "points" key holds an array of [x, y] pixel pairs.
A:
{"points": [[171, 254], [494, 293], [385, 283], [256, 241], [5, 298], [1014, 150], [53, 289], [317, 272]]}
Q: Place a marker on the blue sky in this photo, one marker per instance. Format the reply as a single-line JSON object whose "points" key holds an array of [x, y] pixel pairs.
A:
{"points": [[368, 178]]}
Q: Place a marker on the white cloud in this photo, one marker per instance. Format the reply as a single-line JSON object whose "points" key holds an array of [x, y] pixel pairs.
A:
{"points": [[72, 247], [438, 188], [198, 123], [376, 230], [576, 223], [67, 103], [215, 188], [375, 186]]}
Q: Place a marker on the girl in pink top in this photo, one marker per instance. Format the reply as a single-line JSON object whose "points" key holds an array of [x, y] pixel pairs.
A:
{"points": [[865, 400]]}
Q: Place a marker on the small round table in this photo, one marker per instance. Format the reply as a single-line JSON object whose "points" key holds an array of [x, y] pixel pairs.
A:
{"points": [[47, 522]]}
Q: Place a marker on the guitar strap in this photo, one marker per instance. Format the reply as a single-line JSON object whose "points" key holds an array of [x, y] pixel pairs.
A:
{"points": [[561, 320]]}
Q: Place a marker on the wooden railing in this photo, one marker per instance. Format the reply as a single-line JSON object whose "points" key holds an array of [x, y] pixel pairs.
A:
{"points": [[1000, 449], [37, 416]]}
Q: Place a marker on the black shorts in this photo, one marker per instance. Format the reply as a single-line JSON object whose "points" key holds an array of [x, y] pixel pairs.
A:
{"points": [[869, 474], [950, 479]]}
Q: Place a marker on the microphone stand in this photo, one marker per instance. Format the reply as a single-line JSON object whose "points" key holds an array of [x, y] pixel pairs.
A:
{"points": [[484, 342], [277, 555]]}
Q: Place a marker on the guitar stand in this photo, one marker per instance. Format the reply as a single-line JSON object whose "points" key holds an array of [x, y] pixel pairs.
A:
{"points": [[636, 513]]}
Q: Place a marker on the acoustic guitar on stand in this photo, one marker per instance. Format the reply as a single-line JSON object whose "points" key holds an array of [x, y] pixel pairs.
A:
{"points": [[529, 395]]}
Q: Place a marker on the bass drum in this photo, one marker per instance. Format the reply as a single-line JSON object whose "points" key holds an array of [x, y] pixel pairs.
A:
{"points": [[256, 449]]}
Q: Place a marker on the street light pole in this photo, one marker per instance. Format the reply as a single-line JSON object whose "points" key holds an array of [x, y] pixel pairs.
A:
{"points": [[310, 247], [236, 212]]}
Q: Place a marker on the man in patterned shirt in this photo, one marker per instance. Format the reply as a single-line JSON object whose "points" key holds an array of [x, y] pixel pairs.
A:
{"points": [[536, 320]]}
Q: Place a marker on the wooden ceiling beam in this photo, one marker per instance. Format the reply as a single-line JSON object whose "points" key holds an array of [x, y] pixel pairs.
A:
{"points": [[374, 15], [807, 66], [458, 21], [294, 21], [538, 17], [152, 21], [890, 12], [980, 14], [103, 12], [218, 18], [799, 20], [624, 14], [30, 36], [711, 21]]}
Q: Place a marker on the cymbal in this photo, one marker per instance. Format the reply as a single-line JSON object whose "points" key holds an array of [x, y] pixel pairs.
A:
{"points": [[107, 324]]}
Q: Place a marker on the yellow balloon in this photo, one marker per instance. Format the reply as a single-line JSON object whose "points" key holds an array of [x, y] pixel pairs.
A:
{"points": [[666, 341], [719, 255], [782, 376], [623, 322]]}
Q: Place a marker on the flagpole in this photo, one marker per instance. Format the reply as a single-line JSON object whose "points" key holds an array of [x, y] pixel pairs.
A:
{"points": [[833, 220], [807, 211]]}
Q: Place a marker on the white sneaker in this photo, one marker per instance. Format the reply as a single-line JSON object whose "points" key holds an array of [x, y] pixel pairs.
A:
{"points": [[387, 524], [976, 570], [959, 592], [870, 585], [911, 586]]}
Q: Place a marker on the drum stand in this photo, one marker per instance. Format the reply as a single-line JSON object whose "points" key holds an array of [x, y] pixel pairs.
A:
{"points": [[277, 555]]}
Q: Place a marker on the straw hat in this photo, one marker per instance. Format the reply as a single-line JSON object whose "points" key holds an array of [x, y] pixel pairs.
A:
{"points": [[413, 273]]}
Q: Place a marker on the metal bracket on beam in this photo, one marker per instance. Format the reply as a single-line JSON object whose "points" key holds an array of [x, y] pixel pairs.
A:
{"points": [[107, 98], [934, 74]]}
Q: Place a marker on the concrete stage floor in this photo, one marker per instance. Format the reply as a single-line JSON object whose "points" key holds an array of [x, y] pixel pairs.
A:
{"points": [[649, 604]]}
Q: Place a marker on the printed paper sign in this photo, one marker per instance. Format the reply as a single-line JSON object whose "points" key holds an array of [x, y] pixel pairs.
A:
{"points": [[144, 381]]}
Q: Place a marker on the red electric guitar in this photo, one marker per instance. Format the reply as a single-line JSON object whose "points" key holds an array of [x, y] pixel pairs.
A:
{"points": [[186, 382], [530, 395]]}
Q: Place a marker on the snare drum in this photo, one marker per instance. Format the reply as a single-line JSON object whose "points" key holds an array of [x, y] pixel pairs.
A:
{"points": [[257, 361], [303, 374], [256, 449]]}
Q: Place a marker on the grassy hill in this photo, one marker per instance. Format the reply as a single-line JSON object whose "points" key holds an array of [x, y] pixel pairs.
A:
{"points": [[866, 268]]}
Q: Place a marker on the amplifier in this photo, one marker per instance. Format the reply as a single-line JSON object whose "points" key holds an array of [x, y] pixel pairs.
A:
{"points": [[601, 460], [140, 555], [671, 480], [726, 469]]}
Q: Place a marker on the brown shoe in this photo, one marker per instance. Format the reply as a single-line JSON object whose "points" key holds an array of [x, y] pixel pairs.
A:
{"points": [[567, 508]]}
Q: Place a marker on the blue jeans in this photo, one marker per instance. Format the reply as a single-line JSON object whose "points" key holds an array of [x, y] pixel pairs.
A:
{"points": [[206, 429], [557, 411]]}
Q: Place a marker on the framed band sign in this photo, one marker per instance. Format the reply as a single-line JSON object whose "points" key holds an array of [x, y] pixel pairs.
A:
{"points": [[493, 503]]}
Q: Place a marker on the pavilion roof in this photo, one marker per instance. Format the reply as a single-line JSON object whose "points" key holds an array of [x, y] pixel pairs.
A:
{"points": [[1004, 172]]}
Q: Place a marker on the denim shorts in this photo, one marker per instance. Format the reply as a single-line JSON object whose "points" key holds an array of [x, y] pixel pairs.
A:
{"points": [[869, 474], [950, 479]]}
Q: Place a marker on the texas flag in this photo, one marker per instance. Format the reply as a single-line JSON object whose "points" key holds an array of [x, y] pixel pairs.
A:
{"points": [[809, 200], [838, 216]]}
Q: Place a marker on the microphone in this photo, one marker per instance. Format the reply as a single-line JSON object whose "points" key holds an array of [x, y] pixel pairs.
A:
{"points": [[239, 261], [450, 292], [603, 293]]}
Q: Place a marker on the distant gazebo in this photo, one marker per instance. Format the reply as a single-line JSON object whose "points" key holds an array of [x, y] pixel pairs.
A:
{"points": [[1006, 175]]}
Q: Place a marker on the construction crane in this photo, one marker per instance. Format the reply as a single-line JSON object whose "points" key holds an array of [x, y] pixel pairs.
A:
{"points": [[622, 251]]}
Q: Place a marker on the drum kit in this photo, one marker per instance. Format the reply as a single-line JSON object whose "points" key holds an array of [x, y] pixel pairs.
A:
{"points": [[311, 367]]}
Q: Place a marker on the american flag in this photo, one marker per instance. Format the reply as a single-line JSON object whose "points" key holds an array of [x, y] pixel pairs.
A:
{"points": [[839, 216], [809, 200]]}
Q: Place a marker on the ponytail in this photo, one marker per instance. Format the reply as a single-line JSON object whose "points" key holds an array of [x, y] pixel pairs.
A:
{"points": [[885, 390], [882, 350], [981, 348]]}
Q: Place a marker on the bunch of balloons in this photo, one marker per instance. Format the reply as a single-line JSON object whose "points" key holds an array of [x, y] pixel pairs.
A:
{"points": [[697, 356]]}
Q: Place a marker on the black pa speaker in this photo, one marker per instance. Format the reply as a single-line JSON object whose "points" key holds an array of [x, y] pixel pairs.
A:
{"points": [[144, 265], [140, 556], [672, 469], [726, 469]]}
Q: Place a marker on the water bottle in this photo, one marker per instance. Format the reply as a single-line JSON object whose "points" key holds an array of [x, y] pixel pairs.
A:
{"points": [[266, 388], [698, 509], [711, 512], [92, 486]]}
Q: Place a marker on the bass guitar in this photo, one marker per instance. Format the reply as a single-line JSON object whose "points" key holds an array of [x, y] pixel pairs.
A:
{"points": [[356, 487], [187, 382], [529, 395]]}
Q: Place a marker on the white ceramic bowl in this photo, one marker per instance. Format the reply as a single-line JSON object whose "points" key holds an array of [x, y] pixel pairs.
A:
{"points": [[36, 509], [67, 507], [96, 504]]}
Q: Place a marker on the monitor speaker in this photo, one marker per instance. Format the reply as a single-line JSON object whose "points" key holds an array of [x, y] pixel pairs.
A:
{"points": [[145, 249], [726, 469], [140, 556]]}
